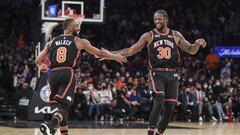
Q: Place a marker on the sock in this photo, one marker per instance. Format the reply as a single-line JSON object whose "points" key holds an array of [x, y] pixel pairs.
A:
{"points": [[55, 121], [151, 131]]}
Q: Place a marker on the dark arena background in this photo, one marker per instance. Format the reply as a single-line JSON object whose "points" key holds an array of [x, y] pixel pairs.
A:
{"points": [[115, 99]]}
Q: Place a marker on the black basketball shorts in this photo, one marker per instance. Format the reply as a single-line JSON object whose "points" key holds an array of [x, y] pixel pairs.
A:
{"points": [[62, 84], [164, 83]]}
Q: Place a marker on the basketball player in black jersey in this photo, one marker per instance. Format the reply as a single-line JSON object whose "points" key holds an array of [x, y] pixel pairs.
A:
{"points": [[163, 54], [63, 52]]}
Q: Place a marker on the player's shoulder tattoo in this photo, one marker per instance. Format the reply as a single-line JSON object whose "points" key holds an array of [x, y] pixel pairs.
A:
{"points": [[148, 36], [177, 34]]}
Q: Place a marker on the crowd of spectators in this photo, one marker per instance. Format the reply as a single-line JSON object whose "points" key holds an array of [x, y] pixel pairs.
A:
{"points": [[209, 86], [204, 93]]}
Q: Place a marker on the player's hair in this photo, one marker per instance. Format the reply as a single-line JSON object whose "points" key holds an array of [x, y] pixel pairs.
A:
{"points": [[66, 23], [163, 12]]}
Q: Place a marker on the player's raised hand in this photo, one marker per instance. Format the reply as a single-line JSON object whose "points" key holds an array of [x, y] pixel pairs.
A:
{"points": [[201, 42]]}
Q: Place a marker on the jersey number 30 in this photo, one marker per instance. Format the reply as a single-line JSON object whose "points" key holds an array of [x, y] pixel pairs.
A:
{"points": [[164, 53], [61, 54]]}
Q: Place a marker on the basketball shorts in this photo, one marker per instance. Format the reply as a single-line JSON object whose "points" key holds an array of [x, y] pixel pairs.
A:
{"points": [[164, 83], [62, 84]]}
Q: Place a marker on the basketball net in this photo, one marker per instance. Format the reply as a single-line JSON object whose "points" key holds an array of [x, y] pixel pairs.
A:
{"points": [[77, 17], [47, 27]]}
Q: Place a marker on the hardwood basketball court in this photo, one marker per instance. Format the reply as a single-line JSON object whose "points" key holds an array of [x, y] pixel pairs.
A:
{"points": [[176, 128]]}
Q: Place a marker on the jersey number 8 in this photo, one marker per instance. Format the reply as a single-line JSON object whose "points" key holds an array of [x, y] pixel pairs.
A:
{"points": [[61, 54]]}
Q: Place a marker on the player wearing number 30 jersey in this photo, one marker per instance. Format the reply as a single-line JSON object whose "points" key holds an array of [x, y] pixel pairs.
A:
{"points": [[163, 50], [163, 55]]}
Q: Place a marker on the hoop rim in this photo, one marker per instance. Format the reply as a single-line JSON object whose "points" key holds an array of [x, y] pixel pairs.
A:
{"points": [[75, 16]]}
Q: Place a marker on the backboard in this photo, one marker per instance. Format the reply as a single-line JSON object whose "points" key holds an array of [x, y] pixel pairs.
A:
{"points": [[58, 10]]}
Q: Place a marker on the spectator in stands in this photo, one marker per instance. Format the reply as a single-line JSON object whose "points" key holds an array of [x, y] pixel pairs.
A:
{"points": [[123, 108], [200, 98], [226, 74], [80, 104], [236, 107], [188, 104], [229, 107], [213, 100], [212, 60], [26, 87], [105, 99], [134, 100], [92, 97]]}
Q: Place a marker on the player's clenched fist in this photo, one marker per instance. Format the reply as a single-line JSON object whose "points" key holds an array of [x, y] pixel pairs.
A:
{"points": [[201, 42], [43, 68]]}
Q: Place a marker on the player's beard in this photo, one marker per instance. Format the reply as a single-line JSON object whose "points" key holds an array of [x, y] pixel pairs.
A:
{"points": [[158, 26], [160, 29]]}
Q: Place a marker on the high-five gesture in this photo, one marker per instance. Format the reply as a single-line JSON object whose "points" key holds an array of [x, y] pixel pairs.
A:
{"points": [[117, 57]]}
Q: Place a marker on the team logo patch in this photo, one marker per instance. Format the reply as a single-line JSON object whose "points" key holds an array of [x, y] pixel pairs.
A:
{"points": [[69, 98], [45, 93], [175, 75], [153, 73], [170, 36]]}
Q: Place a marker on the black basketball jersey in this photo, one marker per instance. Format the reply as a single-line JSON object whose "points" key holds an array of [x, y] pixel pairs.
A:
{"points": [[163, 51], [63, 52]]}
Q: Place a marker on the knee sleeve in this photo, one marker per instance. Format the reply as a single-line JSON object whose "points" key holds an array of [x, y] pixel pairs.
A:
{"points": [[60, 117], [64, 123], [156, 111], [62, 113], [167, 114]]}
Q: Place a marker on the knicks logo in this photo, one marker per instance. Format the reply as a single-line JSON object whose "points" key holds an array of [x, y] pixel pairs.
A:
{"points": [[45, 93]]}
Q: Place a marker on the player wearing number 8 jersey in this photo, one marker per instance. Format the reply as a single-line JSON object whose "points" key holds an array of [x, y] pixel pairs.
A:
{"points": [[163, 54], [64, 52]]}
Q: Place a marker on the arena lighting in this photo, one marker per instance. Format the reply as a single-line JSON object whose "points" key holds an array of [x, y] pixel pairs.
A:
{"points": [[232, 52], [53, 10]]}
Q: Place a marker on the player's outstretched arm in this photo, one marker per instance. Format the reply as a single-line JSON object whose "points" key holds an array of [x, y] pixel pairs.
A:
{"points": [[43, 54], [86, 45], [186, 46], [138, 46]]}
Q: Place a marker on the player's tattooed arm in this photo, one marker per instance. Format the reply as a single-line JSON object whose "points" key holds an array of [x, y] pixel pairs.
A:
{"points": [[98, 53], [123, 52], [43, 54], [138, 46], [186, 46]]}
